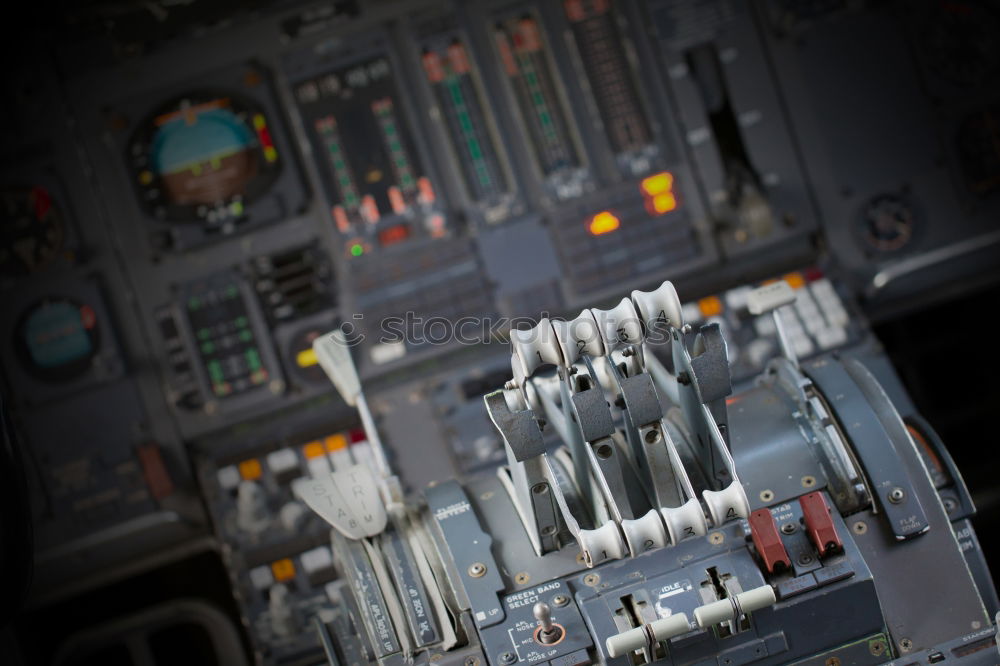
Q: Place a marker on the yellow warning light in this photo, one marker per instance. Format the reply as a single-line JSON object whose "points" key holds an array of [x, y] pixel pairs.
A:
{"points": [[603, 223]]}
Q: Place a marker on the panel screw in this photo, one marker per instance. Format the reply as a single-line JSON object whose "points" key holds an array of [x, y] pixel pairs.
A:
{"points": [[805, 558], [876, 647], [766, 495], [906, 645], [560, 600], [950, 505], [896, 495], [591, 580], [507, 658], [833, 661], [715, 538], [788, 528], [860, 527], [808, 481], [522, 578], [472, 661], [477, 570]]}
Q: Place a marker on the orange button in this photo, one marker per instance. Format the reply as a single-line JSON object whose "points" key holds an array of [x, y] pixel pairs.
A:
{"points": [[313, 450], [795, 280], [710, 306], [335, 442], [283, 570], [250, 469]]}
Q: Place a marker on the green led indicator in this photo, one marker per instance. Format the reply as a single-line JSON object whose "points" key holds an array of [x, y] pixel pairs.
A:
{"points": [[246, 335], [204, 334], [215, 371], [357, 250], [240, 322], [208, 348]]}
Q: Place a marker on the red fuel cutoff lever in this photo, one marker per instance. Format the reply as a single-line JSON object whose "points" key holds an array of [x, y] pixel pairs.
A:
{"points": [[767, 541], [819, 525]]}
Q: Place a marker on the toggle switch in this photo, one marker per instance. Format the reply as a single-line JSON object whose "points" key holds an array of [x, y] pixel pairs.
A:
{"points": [[767, 541], [819, 524], [547, 632]]}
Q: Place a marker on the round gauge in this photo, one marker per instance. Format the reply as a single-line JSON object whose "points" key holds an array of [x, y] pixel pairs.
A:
{"points": [[887, 223], [203, 158], [31, 229], [57, 339]]}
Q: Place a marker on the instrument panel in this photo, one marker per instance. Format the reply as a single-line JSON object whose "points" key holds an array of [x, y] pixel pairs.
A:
{"points": [[181, 219]]}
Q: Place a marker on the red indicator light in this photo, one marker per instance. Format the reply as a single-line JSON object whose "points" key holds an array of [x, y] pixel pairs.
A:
{"points": [[426, 190], [527, 39], [574, 10], [432, 65], [396, 200], [369, 210], [340, 217], [603, 223], [393, 235], [509, 64], [436, 225], [459, 59]]}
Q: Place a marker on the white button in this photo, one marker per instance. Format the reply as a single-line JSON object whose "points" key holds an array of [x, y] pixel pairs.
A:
{"points": [[282, 460], [261, 577], [822, 289], [791, 323], [316, 559], [691, 313], [341, 458], [836, 315], [736, 299], [228, 477], [318, 466], [803, 346], [764, 325], [831, 337], [815, 323]]}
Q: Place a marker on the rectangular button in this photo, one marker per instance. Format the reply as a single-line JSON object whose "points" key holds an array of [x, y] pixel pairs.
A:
{"points": [[767, 541], [819, 524]]}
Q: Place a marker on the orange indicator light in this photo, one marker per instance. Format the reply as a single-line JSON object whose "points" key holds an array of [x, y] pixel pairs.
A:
{"points": [[603, 223], [663, 203], [396, 200], [426, 190], [658, 183]]}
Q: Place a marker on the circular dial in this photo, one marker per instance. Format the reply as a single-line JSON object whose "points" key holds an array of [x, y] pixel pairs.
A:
{"points": [[203, 158], [57, 339], [31, 230], [887, 223]]}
